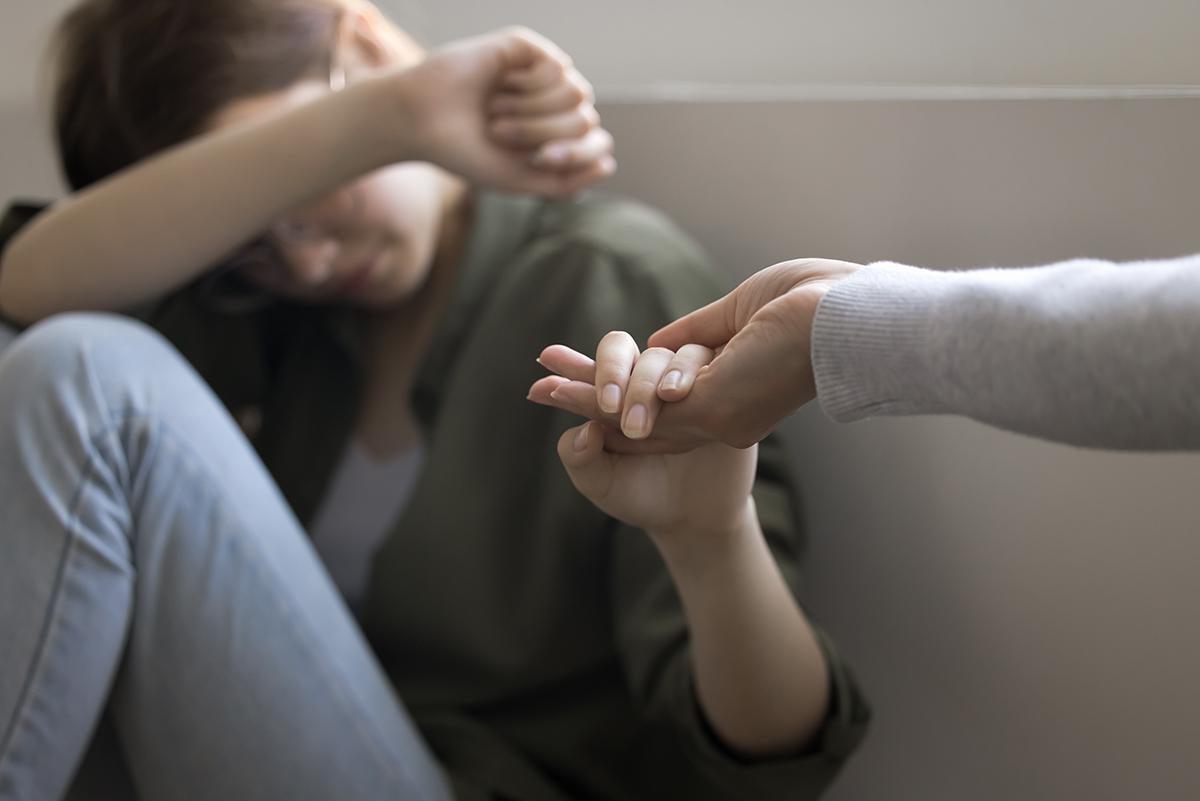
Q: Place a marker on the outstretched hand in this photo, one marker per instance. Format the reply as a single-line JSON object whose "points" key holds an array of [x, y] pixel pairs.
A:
{"points": [[679, 498], [734, 369]]}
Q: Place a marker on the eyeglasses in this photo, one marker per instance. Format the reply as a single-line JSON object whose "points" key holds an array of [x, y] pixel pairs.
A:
{"points": [[290, 232]]}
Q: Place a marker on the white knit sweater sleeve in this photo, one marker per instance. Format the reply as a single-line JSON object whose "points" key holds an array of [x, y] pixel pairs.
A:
{"points": [[1084, 352]]}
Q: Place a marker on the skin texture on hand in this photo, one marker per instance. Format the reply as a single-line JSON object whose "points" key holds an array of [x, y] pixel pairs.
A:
{"points": [[764, 329], [698, 495], [701, 493], [761, 334], [574, 388], [509, 110]]}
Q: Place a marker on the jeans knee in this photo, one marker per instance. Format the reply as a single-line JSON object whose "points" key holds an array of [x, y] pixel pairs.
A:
{"points": [[91, 352], [64, 336]]}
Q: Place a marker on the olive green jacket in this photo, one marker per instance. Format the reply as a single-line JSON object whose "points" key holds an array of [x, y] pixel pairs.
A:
{"points": [[539, 644]]}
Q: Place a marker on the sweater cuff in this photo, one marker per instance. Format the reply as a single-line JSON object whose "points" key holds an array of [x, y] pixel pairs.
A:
{"points": [[870, 343]]}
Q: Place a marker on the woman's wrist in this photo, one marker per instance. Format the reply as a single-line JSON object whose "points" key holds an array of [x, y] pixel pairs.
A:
{"points": [[376, 122], [698, 547], [760, 675]]}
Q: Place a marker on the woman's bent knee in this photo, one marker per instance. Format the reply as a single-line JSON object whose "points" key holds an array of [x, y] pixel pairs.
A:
{"points": [[61, 341], [111, 359]]}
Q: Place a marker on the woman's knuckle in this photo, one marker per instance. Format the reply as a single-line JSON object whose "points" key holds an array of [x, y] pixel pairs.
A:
{"points": [[585, 87]]}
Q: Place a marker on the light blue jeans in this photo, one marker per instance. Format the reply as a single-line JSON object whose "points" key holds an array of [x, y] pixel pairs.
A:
{"points": [[152, 575]]}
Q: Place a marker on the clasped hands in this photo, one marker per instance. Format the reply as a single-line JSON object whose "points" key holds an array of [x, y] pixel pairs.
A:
{"points": [[729, 372]]}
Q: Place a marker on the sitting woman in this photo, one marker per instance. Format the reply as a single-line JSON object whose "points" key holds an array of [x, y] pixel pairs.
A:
{"points": [[289, 191]]}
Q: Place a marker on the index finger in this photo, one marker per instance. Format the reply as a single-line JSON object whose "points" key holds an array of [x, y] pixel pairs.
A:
{"points": [[615, 357], [681, 373], [568, 363]]}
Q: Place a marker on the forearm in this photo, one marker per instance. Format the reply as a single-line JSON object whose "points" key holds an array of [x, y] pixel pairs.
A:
{"points": [[760, 675], [1088, 353], [159, 224]]}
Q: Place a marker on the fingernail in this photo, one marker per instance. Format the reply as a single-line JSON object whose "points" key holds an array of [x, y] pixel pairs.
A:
{"points": [[581, 438], [610, 399], [672, 380], [635, 422]]}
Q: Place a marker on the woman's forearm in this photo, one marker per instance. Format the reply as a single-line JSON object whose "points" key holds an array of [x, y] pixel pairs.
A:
{"points": [[156, 226], [761, 677]]}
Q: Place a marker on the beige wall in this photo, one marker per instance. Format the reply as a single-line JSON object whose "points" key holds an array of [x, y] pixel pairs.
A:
{"points": [[1022, 614], [24, 27], [852, 41], [27, 165], [627, 44]]}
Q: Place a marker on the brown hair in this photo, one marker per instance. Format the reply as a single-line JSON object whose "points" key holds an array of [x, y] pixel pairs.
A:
{"points": [[134, 77]]}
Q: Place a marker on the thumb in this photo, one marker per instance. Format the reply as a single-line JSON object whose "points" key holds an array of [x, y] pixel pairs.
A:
{"points": [[762, 375], [581, 450], [711, 326]]}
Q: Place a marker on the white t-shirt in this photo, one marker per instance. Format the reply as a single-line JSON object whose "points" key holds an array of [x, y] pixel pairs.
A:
{"points": [[364, 499]]}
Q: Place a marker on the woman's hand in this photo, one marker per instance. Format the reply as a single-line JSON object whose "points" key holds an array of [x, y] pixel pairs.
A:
{"points": [[683, 500], [624, 389], [761, 371], [507, 109], [760, 675], [702, 493]]}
